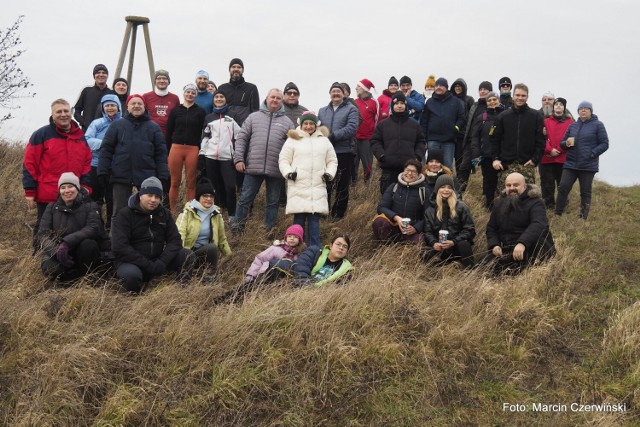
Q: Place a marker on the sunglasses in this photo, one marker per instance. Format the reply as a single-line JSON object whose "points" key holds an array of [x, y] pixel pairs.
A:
{"points": [[292, 93]]}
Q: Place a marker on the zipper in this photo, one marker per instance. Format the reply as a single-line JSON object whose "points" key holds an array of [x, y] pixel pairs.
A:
{"points": [[151, 233]]}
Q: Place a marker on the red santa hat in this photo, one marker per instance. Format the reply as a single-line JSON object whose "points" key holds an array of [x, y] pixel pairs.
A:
{"points": [[366, 84]]}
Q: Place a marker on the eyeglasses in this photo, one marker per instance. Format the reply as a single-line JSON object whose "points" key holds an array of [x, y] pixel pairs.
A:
{"points": [[292, 93], [411, 171], [341, 245]]}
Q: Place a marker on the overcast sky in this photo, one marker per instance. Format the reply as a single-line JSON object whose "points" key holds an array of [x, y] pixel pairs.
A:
{"points": [[576, 49]]}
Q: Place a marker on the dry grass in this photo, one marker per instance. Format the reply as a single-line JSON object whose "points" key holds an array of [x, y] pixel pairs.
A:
{"points": [[404, 344]]}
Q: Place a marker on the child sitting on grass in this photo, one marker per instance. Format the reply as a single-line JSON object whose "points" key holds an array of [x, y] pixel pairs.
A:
{"points": [[279, 256]]}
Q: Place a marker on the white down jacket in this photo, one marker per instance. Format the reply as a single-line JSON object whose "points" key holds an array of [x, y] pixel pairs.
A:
{"points": [[310, 156]]}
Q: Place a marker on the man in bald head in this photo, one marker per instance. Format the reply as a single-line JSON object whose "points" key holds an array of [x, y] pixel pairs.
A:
{"points": [[518, 230]]}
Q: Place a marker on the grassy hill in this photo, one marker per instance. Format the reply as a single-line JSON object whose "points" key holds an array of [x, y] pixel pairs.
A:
{"points": [[404, 344]]}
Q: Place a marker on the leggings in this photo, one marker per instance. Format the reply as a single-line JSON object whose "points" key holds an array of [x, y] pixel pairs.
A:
{"points": [[178, 156]]}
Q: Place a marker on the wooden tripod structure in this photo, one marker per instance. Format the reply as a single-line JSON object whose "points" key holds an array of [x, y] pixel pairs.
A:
{"points": [[130, 33]]}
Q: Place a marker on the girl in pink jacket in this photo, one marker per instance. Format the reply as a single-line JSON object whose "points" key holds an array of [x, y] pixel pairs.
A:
{"points": [[292, 246]]}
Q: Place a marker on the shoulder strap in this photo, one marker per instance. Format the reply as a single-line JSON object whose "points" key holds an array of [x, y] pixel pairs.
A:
{"points": [[423, 194]]}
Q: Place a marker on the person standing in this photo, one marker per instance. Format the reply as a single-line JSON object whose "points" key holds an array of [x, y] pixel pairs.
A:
{"points": [[341, 117], [308, 161], [292, 107], [242, 96], [258, 148], [86, 107], [121, 89], [53, 149], [415, 101], [184, 129], [504, 85], [552, 162], [204, 98], [159, 102], [384, 100], [585, 141], [368, 108]]}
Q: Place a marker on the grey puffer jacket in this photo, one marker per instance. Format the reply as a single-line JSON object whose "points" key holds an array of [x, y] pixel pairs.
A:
{"points": [[342, 123], [260, 140]]}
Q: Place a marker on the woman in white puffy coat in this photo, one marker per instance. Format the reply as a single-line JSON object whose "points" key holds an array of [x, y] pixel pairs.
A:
{"points": [[308, 161]]}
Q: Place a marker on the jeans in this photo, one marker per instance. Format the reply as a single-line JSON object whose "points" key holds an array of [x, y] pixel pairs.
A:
{"points": [[569, 177], [312, 230], [448, 151], [250, 188]]}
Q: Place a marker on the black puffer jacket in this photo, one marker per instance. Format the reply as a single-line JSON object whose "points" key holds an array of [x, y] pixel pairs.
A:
{"points": [[140, 237], [396, 140], [460, 228], [405, 201], [72, 224], [525, 223]]}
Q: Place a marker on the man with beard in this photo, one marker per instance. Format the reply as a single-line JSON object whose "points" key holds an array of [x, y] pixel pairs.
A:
{"points": [[242, 96], [518, 230], [204, 98], [546, 109]]}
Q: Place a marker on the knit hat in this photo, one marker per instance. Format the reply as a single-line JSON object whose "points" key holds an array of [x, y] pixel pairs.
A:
{"points": [[290, 86], [120, 79], [365, 84], [204, 186], [442, 82], [486, 85], [237, 61], [163, 73], [435, 155], [69, 178], [586, 104], [190, 86], [548, 94], [296, 230], [202, 73], [492, 95], [504, 81], [100, 67], [405, 79], [151, 185], [560, 100], [443, 179], [336, 85], [308, 115], [393, 81], [135, 95], [345, 87], [398, 97], [431, 81]]}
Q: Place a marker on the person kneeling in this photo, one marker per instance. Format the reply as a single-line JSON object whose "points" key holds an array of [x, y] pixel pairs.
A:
{"points": [[145, 240], [318, 266], [449, 229], [202, 228], [71, 232]]}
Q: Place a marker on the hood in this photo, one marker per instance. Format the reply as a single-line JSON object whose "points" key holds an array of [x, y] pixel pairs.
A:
{"points": [[418, 181], [462, 83], [298, 133], [111, 98], [264, 109], [531, 192], [134, 203]]}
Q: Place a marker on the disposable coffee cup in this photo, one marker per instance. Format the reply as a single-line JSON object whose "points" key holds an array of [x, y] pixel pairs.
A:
{"points": [[405, 224], [443, 236]]}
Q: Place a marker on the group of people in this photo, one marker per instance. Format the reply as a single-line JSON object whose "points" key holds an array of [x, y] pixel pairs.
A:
{"points": [[228, 142]]}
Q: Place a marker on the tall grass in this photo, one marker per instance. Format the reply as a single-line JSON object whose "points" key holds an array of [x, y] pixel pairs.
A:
{"points": [[403, 344]]}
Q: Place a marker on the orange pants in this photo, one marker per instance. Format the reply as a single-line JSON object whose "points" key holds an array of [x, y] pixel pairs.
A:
{"points": [[182, 155]]}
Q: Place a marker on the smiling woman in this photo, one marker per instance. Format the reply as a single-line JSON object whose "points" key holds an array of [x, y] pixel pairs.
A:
{"points": [[317, 266]]}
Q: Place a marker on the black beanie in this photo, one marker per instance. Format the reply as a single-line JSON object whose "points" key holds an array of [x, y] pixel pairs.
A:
{"points": [[435, 154], [405, 79], [100, 67], [562, 101], [291, 85], [336, 85], [486, 85], [204, 186], [393, 81], [235, 61], [505, 81], [398, 97]]}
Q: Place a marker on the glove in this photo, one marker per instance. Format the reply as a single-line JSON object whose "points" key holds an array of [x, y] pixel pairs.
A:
{"points": [[202, 165], [292, 176], [157, 268], [103, 181], [332, 138], [326, 177], [62, 254]]}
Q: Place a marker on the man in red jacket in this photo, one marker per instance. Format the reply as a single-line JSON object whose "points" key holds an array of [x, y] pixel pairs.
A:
{"points": [[53, 149], [368, 107]]}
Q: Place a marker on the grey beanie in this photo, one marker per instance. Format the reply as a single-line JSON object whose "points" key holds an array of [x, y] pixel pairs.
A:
{"points": [[69, 178], [586, 104], [151, 185], [444, 179]]}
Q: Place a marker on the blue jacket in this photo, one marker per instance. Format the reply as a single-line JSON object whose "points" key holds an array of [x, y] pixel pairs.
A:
{"points": [[591, 141], [342, 123], [443, 118], [133, 150], [415, 105], [205, 101], [98, 128]]}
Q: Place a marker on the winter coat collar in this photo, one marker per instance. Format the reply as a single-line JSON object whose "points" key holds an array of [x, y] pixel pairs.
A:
{"points": [[417, 182], [298, 133], [265, 109]]}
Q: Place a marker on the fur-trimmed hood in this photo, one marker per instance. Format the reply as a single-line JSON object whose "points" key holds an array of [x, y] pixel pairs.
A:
{"points": [[298, 133], [533, 191]]}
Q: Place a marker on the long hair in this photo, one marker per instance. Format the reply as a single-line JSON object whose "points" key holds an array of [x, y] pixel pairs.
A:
{"points": [[451, 201]]}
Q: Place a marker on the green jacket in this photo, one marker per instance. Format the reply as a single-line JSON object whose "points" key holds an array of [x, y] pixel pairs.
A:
{"points": [[189, 224], [312, 260]]}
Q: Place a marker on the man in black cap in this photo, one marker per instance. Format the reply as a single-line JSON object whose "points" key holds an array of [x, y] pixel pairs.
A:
{"points": [[242, 96], [505, 92], [396, 140], [415, 100], [292, 107], [87, 105], [145, 240]]}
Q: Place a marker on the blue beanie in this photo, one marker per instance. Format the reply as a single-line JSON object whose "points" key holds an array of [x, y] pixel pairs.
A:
{"points": [[442, 82]]}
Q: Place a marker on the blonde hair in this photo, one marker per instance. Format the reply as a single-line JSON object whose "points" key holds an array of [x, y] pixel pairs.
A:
{"points": [[451, 201]]}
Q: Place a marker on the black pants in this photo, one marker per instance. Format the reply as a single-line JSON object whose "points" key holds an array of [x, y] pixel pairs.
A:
{"points": [[569, 177], [463, 161], [85, 255], [489, 182], [207, 255], [222, 174], [341, 185], [388, 177], [100, 195], [462, 252], [550, 174], [133, 277]]}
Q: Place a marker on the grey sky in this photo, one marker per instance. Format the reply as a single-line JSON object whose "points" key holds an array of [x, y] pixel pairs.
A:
{"points": [[575, 49]]}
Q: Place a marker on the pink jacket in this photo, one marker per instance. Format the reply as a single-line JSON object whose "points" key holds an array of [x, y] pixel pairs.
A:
{"points": [[261, 261]]}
